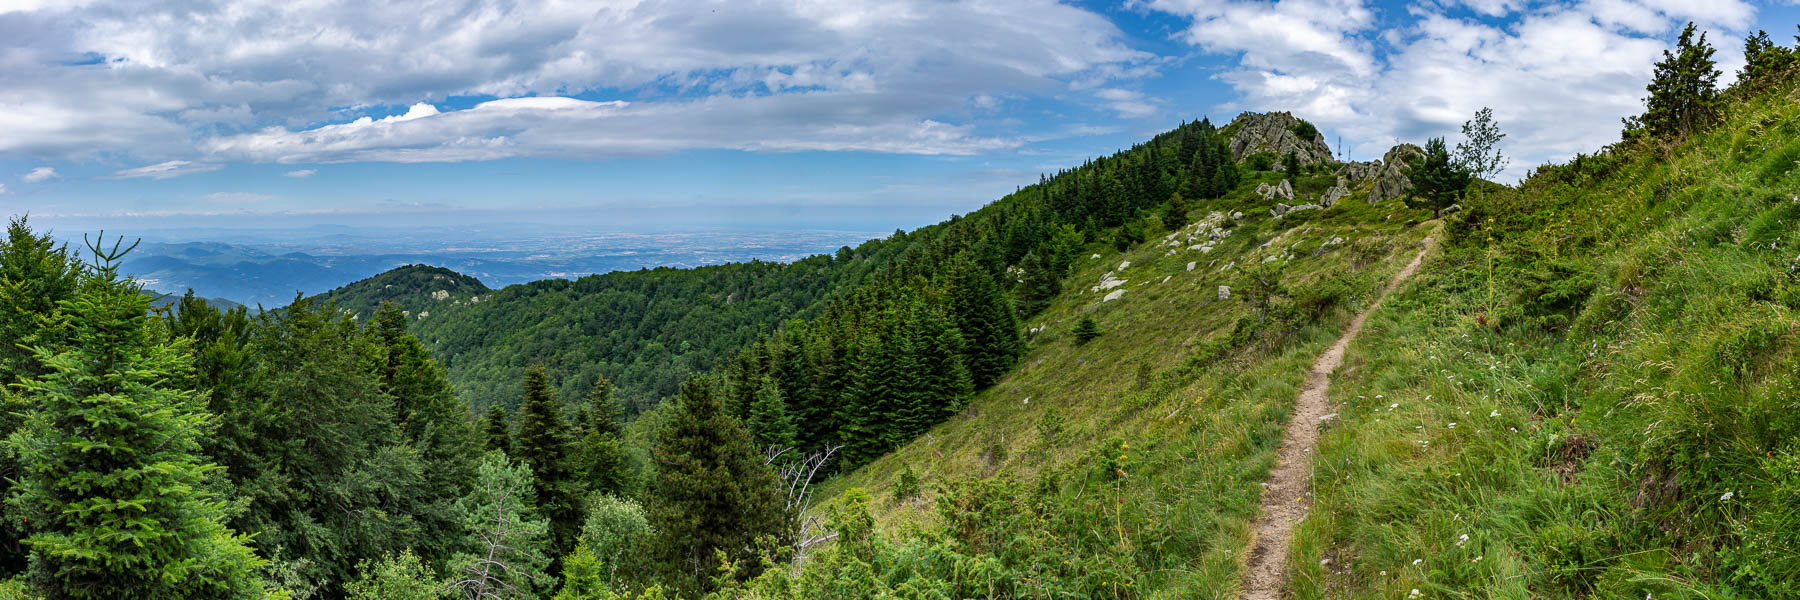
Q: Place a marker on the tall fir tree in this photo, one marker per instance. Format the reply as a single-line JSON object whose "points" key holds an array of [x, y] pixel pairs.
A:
{"points": [[985, 316], [713, 493], [496, 430], [769, 423], [113, 486], [311, 445], [943, 384], [600, 455], [36, 276], [433, 421], [542, 442], [1039, 283]]}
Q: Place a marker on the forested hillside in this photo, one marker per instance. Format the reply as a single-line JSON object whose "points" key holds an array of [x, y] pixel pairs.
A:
{"points": [[646, 331], [1077, 391]]}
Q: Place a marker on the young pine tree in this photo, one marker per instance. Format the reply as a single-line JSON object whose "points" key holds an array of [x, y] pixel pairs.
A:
{"points": [[984, 315], [1437, 180], [713, 493], [543, 444], [113, 486], [506, 555], [1086, 329]]}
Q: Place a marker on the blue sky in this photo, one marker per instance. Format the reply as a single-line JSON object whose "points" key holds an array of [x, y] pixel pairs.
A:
{"points": [[865, 114]]}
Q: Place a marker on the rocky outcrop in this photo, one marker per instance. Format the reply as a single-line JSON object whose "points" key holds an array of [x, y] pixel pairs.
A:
{"points": [[1358, 172], [1336, 193], [1275, 132], [1284, 190], [1392, 182]]}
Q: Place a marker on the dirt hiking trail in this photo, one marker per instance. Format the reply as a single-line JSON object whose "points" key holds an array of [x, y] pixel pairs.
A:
{"points": [[1285, 496]]}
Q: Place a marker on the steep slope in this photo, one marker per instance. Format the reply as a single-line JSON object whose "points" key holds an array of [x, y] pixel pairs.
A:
{"points": [[1130, 465], [1591, 389], [1592, 394]]}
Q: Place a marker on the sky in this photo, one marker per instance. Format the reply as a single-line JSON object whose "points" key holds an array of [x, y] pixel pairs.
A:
{"points": [[865, 114]]}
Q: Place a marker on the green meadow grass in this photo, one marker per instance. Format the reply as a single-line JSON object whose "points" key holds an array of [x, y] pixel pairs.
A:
{"points": [[1591, 393], [1193, 429]]}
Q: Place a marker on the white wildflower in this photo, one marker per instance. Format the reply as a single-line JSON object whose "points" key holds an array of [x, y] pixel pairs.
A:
{"points": [[1727, 497]]}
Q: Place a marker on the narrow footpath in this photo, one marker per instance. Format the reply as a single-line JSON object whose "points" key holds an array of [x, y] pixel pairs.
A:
{"points": [[1286, 496]]}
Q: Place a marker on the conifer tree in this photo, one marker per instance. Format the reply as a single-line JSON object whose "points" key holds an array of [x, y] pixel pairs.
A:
{"points": [[1040, 284], [543, 444], [506, 551], [769, 423], [1763, 58], [36, 275], [497, 430], [713, 493], [984, 315], [943, 384], [1174, 214], [1086, 329], [1437, 180], [112, 483], [433, 421], [310, 442], [1683, 94], [601, 460]]}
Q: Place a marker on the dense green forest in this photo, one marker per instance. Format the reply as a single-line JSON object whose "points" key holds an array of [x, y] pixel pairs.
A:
{"points": [[398, 442], [646, 331]]}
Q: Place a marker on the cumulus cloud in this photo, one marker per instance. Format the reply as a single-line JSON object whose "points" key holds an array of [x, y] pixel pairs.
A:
{"points": [[1559, 76], [40, 175], [301, 173], [3, 190], [260, 77], [166, 170]]}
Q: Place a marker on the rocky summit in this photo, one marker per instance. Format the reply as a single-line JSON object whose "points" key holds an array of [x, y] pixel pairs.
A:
{"points": [[1278, 133]]}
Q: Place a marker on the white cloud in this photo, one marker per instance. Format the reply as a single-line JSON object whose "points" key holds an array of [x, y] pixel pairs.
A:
{"points": [[3, 190], [40, 175], [207, 76], [568, 127], [300, 173], [166, 170], [1559, 76]]}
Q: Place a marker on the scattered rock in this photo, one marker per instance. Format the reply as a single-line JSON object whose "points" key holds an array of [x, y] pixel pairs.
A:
{"points": [[1224, 292], [440, 295], [1115, 295], [1165, 279], [1108, 281], [1274, 132], [1095, 256], [1451, 209], [1191, 265], [1124, 265], [1282, 209], [1270, 192]]}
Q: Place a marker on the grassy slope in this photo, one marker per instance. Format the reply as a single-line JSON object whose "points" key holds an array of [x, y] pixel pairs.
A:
{"points": [[1628, 429], [1197, 438]]}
